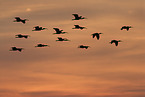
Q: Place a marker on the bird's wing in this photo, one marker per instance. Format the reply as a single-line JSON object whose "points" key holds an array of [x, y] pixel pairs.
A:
{"points": [[116, 43], [93, 35], [127, 28], [13, 48], [59, 38], [76, 15], [112, 41], [122, 28], [36, 27], [98, 36], [77, 26], [56, 29], [18, 18]]}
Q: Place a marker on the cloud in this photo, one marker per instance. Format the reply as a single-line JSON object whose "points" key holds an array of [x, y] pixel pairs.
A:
{"points": [[103, 66]]}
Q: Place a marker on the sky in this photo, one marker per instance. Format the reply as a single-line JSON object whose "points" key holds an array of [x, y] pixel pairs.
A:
{"points": [[63, 69]]}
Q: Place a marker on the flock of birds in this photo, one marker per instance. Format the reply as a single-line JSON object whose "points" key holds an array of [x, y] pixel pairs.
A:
{"points": [[58, 31]]}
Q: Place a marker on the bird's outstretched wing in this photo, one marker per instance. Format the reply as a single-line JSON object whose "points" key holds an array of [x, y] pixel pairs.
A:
{"points": [[36, 27], [76, 15], [116, 43], [127, 28], [59, 38], [98, 36], [122, 28], [56, 29], [93, 35], [17, 18], [76, 26]]}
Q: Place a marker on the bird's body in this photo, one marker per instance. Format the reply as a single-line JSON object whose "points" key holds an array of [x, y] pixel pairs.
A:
{"points": [[62, 39], [21, 36], [78, 27], [18, 19], [126, 27], [58, 31], [77, 17], [16, 49], [38, 28], [41, 45], [97, 35], [82, 46], [115, 41]]}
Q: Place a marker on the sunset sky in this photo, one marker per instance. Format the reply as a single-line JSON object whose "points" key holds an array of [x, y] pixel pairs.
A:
{"points": [[63, 69]]}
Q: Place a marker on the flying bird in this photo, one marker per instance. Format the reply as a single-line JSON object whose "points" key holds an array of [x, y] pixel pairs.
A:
{"points": [[97, 35], [38, 28], [41, 45], [82, 46], [79, 27], [77, 17], [58, 31], [16, 49], [126, 27], [62, 39], [22, 36], [18, 19], [115, 41]]}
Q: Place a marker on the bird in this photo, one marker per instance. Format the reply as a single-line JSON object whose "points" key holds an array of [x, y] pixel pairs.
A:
{"points": [[16, 49], [18, 19], [115, 41], [82, 46], [77, 17], [38, 28], [126, 27], [97, 35], [62, 39], [22, 36], [58, 31], [41, 45], [79, 27]]}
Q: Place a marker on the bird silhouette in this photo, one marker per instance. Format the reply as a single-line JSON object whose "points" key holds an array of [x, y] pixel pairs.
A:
{"points": [[82, 46], [22, 36], [77, 17], [79, 27], [41, 45], [62, 39], [58, 31], [97, 35], [18, 19], [126, 27], [115, 41], [16, 49], [38, 28]]}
